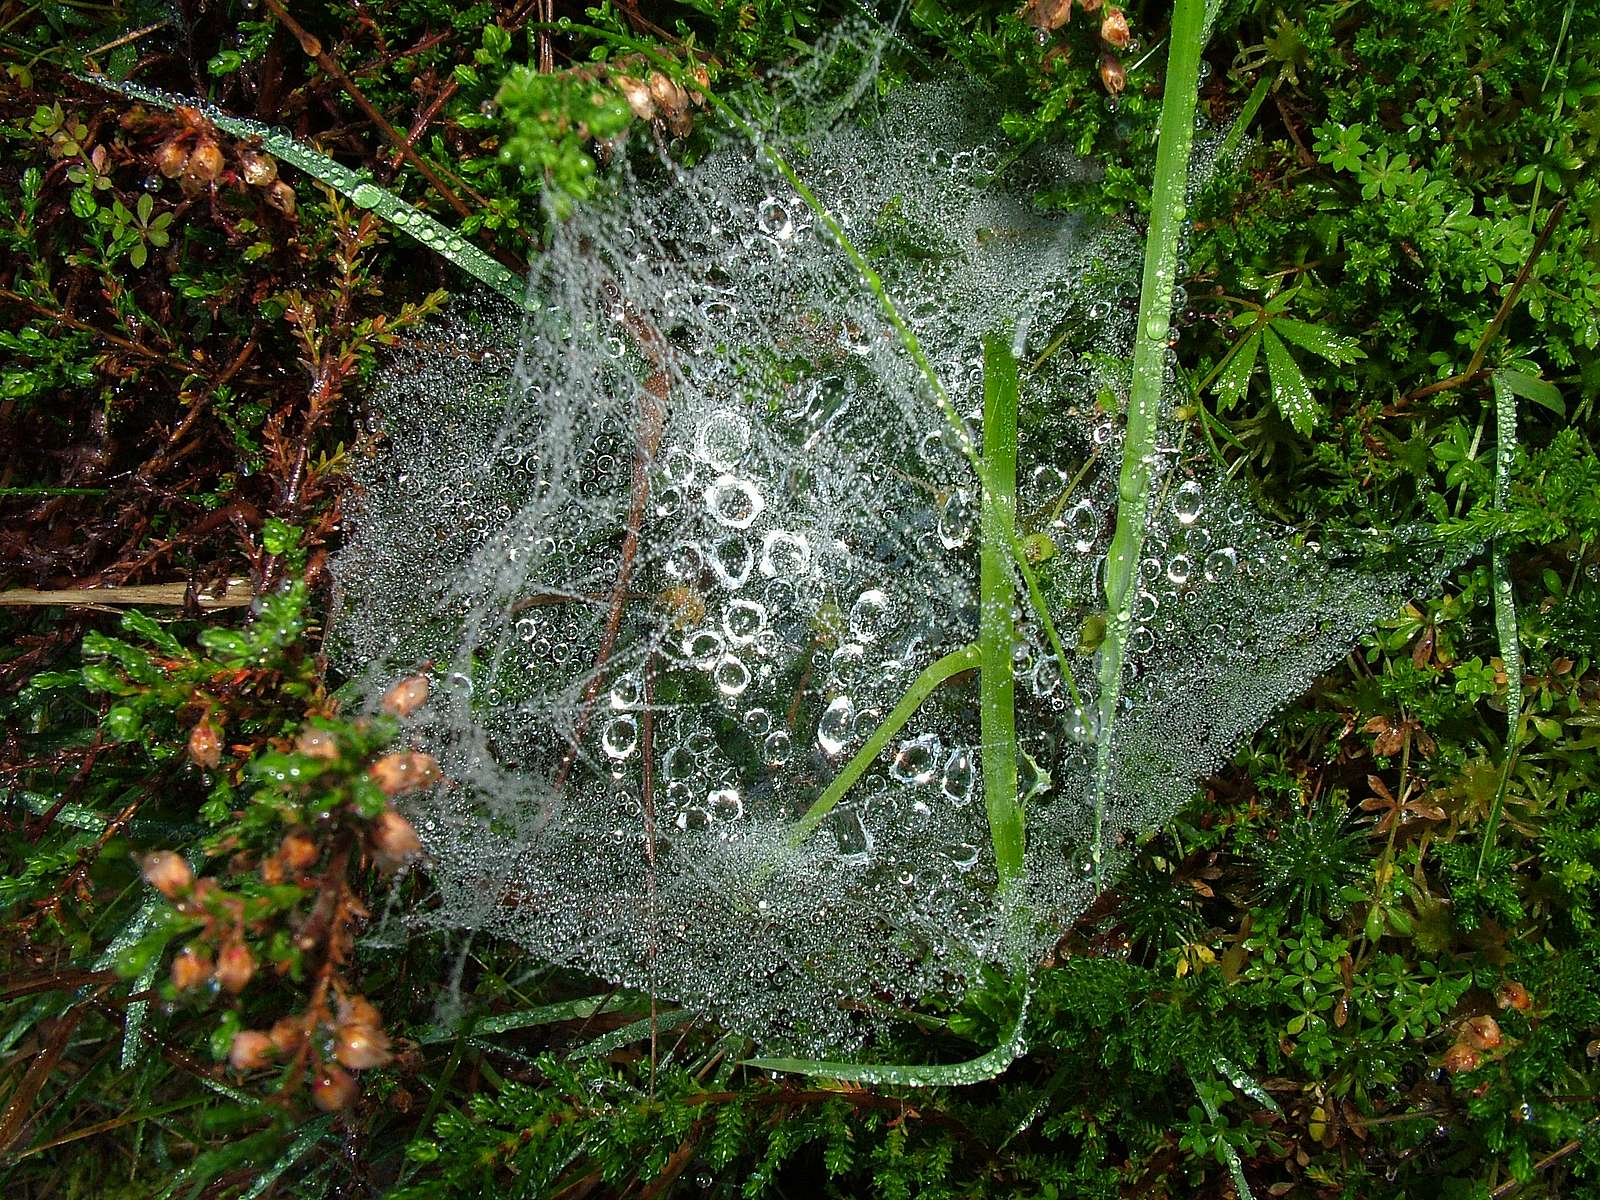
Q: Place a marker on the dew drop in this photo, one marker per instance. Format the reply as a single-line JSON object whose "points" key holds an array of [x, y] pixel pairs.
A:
{"points": [[833, 730], [917, 760]]}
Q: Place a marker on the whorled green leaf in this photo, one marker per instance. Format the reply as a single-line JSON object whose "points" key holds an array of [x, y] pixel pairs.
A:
{"points": [[1319, 340], [1234, 379], [1290, 392]]}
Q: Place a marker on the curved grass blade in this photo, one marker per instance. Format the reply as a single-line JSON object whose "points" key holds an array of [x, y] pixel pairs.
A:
{"points": [[1229, 1154], [546, 1014], [974, 1070], [997, 635], [935, 673], [310, 1134], [404, 217]]}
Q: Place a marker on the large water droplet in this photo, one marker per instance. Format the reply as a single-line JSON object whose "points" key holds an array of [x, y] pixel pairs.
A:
{"points": [[1221, 564], [834, 729], [1186, 502], [733, 501], [868, 615], [917, 760], [960, 775]]}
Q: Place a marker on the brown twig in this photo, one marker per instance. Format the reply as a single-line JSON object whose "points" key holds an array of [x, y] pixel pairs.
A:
{"points": [[1475, 371], [647, 438], [1555, 1156]]}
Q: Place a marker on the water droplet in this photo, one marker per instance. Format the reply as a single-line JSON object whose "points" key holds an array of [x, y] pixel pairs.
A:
{"points": [[731, 675], [1186, 502], [725, 804], [734, 502], [367, 196], [1221, 564], [723, 440], [620, 737], [703, 648], [743, 621], [772, 218], [917, 760], [868, 615], [731, 560], [1083, 525], [776, 749], [833, 730], [960, 776], [785, 555]]}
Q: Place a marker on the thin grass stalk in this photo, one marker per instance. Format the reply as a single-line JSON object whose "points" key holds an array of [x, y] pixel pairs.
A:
{"points": [[1167, 212], [935, 673], [1505, 608], [997, 635]]}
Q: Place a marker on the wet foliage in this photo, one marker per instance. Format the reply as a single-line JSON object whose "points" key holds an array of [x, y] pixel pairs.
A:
{"points": [[222, 970]]}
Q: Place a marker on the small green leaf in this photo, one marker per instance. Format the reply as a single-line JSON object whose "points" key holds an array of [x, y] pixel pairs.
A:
{"points": [[1531, 387], [1320, 340], [1290, 392], [145, 626], [1234, 379]]}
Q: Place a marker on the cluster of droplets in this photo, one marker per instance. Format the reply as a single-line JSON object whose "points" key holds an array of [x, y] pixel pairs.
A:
{"points": [[677, 564]]}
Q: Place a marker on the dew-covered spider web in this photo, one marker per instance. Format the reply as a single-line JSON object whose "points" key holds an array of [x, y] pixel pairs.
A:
{"points": [[675, 541]]}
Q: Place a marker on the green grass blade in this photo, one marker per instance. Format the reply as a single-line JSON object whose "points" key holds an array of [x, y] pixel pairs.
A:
{"points": [[546, 1014], [310, 1134], [997, 635], [935, 673], [403, 217], [1167, 212], [1505, 605], [974, 1070]]}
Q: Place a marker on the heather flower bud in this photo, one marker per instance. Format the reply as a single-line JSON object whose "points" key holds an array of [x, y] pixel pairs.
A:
{"points": [[1112, 75], [333, 1090], [1459, 1058], [1512, 994], [358, 1010], [258, 169], [361, 1047], [317, 743], [235, 966], [405, 697], [404, 771], [251, 1050], [190, 969], [168, 873], [281, 196], [172, 159], [298, 851], [637, 94], [669, 97], [288, 1035], [205, 745], [1481, 1033], [393, 838], [1114, 29], [205, 163]]}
